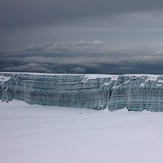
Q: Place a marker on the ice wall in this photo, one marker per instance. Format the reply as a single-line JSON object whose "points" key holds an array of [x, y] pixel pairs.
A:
{"points": [[134, 92]]}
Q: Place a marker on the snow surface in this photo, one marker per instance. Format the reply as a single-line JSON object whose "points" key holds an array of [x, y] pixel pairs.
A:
{"points": [[89, 76], [48, 134], [4, 79]]}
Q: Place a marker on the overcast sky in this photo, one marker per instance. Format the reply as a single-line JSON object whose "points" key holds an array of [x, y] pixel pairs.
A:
{"points": [[81, 36]]}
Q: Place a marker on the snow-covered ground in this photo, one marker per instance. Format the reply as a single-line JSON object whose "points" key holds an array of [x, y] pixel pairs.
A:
{"points": [[47, 134]]}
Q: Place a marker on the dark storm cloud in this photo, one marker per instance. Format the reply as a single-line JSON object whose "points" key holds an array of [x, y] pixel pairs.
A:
{"points": [[67, 46], [30, 13], [130, 30], [82, 57]]}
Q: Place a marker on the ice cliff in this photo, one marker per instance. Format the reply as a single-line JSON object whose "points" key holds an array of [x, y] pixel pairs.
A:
{"points": [[112, 92]]}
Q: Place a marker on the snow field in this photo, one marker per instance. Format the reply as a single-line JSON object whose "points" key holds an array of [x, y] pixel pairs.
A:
{"points": [[48, 134]]}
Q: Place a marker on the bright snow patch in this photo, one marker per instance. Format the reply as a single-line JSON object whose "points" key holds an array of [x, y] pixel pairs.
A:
{"points": [[4, 79], [40, 134]]}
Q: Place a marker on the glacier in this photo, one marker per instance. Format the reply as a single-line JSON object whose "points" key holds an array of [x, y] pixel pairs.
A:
{"points": [[135, 92]]}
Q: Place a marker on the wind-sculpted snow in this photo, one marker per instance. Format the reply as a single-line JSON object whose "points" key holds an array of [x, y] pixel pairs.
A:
{"points": [[112, 92]]}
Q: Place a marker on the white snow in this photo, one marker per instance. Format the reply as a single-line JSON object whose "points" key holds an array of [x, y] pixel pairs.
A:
{"points": [[142, 84], [4, 79], [42, 134], [160, 81], [152, 76], [95, 76]]}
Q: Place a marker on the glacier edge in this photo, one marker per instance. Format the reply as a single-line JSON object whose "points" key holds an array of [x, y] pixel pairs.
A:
{"points": [[131, 91]]}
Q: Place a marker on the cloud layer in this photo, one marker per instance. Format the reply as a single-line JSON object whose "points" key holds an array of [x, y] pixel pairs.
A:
{"points": [[23, 14], [82, 57], [130, 30]]}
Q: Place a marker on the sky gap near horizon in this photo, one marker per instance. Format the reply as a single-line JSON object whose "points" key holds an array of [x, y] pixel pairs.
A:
{"points": [[79, 36]]}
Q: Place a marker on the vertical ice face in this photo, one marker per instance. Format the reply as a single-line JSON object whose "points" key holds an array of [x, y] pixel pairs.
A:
{"points": [[146, 93], [134, 92]]}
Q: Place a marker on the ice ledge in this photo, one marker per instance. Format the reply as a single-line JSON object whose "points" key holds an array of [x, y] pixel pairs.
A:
{"points": [[135, 92]]}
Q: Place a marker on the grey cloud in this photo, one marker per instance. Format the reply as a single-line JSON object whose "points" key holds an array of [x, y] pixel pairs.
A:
{"points": [[78, 46], [150, 59], [107, 60], [84, 52], [30, 67], [130, 30], [79, 70], [23, 13], [83, 57], [82, 48]]}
